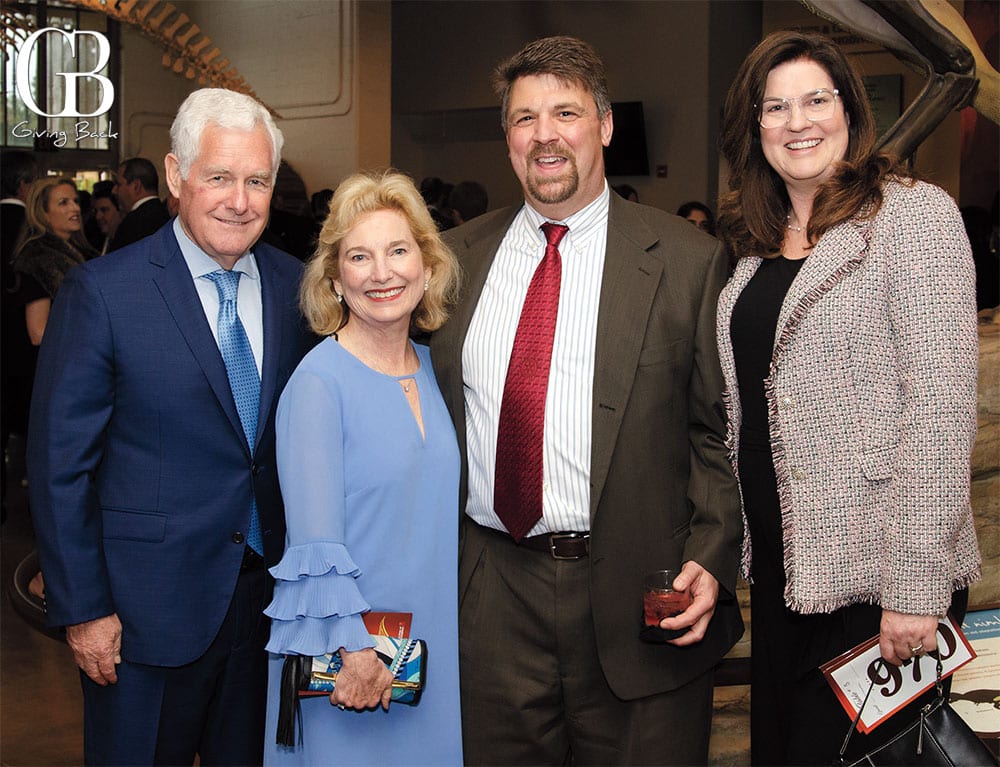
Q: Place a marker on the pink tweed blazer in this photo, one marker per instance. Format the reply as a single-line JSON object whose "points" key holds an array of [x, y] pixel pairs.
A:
{"points": [[872, 408]]}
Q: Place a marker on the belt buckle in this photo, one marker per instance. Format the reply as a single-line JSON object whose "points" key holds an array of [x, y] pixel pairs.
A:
{"points": [[565, 536]]}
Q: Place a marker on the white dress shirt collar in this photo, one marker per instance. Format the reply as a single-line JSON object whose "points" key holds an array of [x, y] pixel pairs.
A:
{"points": [[583, 223], [200, 263], [143, 201]]}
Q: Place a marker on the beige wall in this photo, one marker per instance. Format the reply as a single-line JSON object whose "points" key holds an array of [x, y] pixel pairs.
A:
{"points": [[302, 58], [147, 99]]}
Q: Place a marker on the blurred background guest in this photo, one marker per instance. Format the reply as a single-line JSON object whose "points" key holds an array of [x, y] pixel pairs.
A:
{"points": [[17, 171], [291, 226], [699, 214], [435, 193], [369, 469], [320, 204], [627, 191], [86, 203], [52, 244], [106, 213], [467, 200], [137, 185], [848, 342], [980, 227]]}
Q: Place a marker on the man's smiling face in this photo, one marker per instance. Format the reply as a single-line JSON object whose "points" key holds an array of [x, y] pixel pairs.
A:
{"points": [[226, 197], [555, 141]]}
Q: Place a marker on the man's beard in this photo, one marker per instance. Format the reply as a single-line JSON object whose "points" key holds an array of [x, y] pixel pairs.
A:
{"points": [[554, 190]]}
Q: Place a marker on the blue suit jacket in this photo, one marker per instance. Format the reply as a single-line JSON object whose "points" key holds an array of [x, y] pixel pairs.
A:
{"points": [[140, 474]]}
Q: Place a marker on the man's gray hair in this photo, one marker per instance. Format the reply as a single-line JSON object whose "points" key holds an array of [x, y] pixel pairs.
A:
{"points": [[227, 109]]}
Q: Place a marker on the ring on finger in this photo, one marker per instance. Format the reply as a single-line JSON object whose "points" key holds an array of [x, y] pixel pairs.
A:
{"points": [[918, 650]]}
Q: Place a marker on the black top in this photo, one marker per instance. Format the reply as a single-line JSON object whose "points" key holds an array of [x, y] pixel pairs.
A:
{"points": [[752, 328], [139, 223], [18, 353]]}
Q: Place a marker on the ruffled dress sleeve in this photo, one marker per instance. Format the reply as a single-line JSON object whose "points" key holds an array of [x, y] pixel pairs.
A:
{"points": [[317, 606]]}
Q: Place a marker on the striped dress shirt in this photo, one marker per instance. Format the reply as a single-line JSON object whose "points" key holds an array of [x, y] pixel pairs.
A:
{"points": [[568, 405]]}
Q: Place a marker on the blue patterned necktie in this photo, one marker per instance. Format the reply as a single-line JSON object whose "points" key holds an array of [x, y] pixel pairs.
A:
{"points": [[244, 381]]}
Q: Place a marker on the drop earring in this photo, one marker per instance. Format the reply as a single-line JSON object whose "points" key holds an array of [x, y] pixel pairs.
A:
{"points": [[427, 285]]}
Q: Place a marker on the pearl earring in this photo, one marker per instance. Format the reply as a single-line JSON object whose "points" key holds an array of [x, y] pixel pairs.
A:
{"points": [[427, 285], [340, 297]]}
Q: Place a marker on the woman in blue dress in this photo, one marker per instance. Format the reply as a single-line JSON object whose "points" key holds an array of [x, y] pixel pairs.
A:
{"points": [[369, 470]]}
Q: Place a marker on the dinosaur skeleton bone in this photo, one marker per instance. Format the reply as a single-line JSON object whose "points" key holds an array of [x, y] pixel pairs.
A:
{"points": [[183, 50], [915, 32]]}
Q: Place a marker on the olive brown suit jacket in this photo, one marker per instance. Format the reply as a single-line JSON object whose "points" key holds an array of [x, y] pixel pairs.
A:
{"points": [[661, 488]]}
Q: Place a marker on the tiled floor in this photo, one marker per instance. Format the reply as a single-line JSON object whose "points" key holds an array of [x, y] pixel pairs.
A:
{"points": [[41, 721]]}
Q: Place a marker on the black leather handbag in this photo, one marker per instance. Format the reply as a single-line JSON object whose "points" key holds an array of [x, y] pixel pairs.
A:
{"points": [[939, 737]]}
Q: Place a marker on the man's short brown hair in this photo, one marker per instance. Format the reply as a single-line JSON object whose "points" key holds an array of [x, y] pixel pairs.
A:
{"points": [[567, 58]]}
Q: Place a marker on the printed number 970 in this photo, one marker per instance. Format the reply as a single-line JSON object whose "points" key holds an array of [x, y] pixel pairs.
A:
{"points": [[889, 678]]}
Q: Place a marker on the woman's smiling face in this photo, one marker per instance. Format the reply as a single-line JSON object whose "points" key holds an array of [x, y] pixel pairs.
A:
{"points": [[803, 152]]}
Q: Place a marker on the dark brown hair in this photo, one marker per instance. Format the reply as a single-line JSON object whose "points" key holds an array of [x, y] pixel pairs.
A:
{"points": [[567, 58], [752, 214]]}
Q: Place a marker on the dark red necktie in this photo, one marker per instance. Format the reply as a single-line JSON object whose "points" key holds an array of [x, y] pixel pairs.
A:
{"points": [[517, 494]]}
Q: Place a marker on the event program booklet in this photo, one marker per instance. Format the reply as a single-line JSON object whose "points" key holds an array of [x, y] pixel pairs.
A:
{"points": [[852, 673]]}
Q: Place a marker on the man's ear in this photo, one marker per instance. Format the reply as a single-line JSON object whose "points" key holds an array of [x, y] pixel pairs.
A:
{"points": [[173, 168], [607, 128]]}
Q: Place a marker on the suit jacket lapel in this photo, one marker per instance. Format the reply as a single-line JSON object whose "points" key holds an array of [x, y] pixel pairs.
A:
{"points": [[631, 278], [179, 294], [271, 308], [837, 255]]}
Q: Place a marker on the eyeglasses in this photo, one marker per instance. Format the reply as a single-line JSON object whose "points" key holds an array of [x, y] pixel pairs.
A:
{"points": [[815, 105]]}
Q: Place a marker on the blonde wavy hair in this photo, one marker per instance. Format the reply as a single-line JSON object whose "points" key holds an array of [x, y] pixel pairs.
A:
{"points": [[357, 196], [37, 209]]}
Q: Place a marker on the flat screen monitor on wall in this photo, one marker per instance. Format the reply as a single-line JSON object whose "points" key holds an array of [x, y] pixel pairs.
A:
{"points": [[627, 155]]}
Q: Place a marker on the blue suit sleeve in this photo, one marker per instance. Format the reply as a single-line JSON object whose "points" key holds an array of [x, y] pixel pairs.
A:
{"points": [[71, 407], [317, 605]]}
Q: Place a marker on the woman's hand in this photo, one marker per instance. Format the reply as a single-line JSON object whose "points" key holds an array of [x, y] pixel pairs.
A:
{"points": [[363, 681], [903, 636]]}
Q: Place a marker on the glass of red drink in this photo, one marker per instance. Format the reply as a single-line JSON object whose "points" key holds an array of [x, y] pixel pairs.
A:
{"points": [[659, 598]]}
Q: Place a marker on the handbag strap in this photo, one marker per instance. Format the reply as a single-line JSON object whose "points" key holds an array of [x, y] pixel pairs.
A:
{"points": [[881, 664]]}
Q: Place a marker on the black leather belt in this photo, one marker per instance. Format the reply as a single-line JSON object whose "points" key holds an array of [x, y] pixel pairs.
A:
{"points": [[571, 545], [252, 561], [566, 545]]}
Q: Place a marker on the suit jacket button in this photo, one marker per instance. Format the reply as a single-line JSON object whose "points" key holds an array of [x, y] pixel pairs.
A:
{"points": [[238, 537], [255, 470]]}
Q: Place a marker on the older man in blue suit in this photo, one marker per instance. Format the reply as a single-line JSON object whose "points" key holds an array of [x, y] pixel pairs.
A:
{"points": [[151, 454]]}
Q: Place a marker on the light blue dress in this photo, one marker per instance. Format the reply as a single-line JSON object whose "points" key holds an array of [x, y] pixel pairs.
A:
{"points": [[372, 511]]}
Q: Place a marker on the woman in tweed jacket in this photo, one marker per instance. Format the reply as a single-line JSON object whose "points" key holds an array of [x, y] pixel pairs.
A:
{"points": [[847, 337]]}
